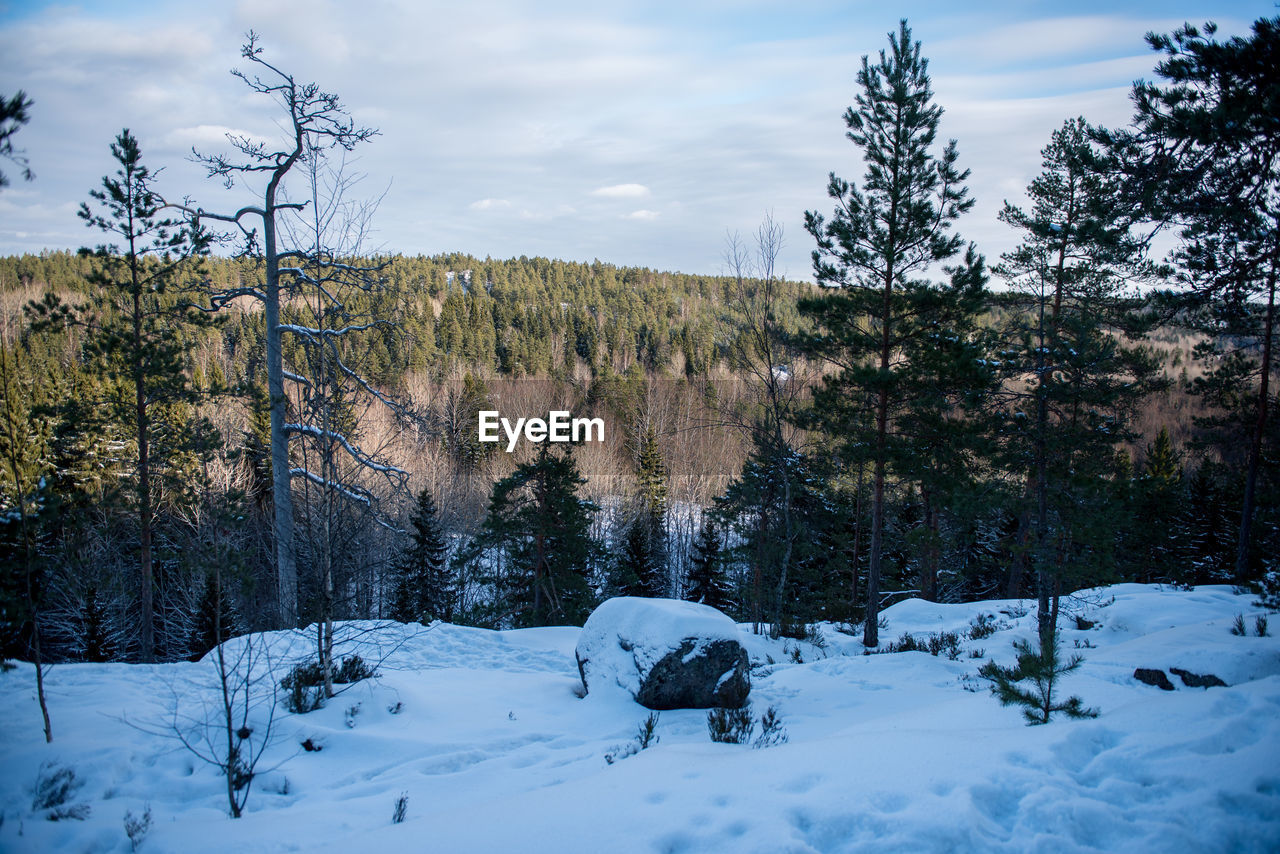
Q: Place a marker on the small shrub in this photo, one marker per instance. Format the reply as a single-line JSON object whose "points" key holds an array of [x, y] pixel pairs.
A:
{"points": [[302, 688], [401, 807], [55, 786], [136, 827], [1082, 624], [353, 669], [1260, 625], [646, 736], [813, 635], [349, 716], [395, 708], [796, 656], [730, 726], [948, 642], [72, 812], [1237, 626], [1083, 644], [978, 653], [312, 746], [772, 732], [982, 626], [303, 684]]}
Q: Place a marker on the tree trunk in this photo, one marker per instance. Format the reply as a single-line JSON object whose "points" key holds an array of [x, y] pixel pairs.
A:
{"points": [[1259, 430], [281, 486]]}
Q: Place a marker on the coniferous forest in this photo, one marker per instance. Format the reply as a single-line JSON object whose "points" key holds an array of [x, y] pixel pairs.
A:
{"points": [[216, 422], [943, 546]]}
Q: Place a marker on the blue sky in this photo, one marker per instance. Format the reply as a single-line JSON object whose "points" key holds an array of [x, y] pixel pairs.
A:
{"points": [[636, 133]]}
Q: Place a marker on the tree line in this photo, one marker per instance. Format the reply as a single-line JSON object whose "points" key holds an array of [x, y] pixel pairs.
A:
{"points": [[199, 444]]}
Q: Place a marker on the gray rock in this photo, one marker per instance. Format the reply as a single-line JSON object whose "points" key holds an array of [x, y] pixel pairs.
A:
{"points": [[1195, 680], [716, 676], [665, 653], [1151, 676]]}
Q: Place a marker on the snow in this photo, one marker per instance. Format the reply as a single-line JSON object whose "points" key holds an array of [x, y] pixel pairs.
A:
{"points": [[627, 635], [887, 753]]}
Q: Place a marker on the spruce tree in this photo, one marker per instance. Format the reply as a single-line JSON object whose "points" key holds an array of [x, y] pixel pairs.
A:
{"points": [[707, 582], [882, 239], [424, 588], [534, 549]]}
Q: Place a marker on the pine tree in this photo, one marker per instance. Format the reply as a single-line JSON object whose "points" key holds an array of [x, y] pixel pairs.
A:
{"points": [[138, 332], [882, 238], [1070, 380], [707, 582], [424, 588], [1043, 668], [1203, 155]]}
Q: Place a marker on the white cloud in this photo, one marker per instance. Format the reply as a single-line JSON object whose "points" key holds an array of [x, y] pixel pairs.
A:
{"points": [[622, 191], [489, 204], [643, 215]]}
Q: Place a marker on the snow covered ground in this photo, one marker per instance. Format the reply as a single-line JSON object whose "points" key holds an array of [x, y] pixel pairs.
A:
{"points": [[496, 751]]}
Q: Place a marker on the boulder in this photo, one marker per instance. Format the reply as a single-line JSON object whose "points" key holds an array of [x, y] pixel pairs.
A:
{"points": [[665, 653], [1196, 680], [1151, 676]]}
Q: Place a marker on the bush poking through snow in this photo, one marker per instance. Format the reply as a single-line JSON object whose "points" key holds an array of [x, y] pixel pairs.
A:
{"points": [[730, 726], [772, 732], [304, 684], [646, 736], [1043, 669], [349, 716], [136, 827], [401, 807], [1260, 625], [736, 726], [1237, 626], [982, 626], [934, 644], [55, 786]]}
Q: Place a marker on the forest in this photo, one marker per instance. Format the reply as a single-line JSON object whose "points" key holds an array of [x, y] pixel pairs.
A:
{"points": [[214, 423]]}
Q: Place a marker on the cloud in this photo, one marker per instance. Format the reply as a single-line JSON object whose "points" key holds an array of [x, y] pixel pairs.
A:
{"points": [[622, 191], [489, 204], [643, 215]]}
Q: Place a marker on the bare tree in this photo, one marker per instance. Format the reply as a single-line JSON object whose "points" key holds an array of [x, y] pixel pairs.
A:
{"points": [[761, 354], [333, 333], [234, 730], [315, 120]]}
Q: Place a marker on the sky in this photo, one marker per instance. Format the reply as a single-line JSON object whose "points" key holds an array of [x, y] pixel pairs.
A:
{"points": [[636, 133]]}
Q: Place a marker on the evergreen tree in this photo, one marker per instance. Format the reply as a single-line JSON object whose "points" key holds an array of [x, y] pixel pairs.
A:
{"points": [[707, 582], [1043, 668], [535, 549], [882, 238], [215, 620], [1071, 383], [1203, 154], [424, 589], [139, 331], [13, 115]]}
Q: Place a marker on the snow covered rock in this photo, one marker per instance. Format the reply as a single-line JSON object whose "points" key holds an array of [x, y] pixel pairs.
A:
{"points": [[666, 653]]}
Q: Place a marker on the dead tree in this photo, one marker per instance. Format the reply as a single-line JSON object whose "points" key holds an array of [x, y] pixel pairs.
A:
{"points": [[314, 121]]}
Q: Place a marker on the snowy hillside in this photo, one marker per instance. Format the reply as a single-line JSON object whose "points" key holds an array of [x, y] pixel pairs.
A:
{"points": [[486, 735]]}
